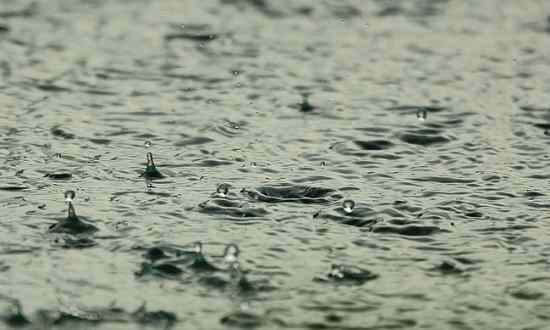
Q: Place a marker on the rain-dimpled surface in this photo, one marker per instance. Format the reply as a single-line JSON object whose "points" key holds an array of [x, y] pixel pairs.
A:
{"points": [[432, 116]]}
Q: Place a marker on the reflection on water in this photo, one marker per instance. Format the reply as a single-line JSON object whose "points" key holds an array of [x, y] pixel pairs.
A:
{"points": [[317, 165]]}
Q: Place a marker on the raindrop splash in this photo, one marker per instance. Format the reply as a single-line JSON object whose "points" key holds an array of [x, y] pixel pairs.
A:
{"points": [[222, 190], [421, 114], [305, 106], [197, 248], [231, 254], [336, 271], [348, 205], [151, 171], [69, 196]]}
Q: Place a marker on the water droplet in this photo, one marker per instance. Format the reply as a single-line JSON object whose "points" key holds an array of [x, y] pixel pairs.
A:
{"points": [[348, 205], [222, 190], [231, 253], [148, 144], [69, 195], [197, 247], [421, 114], [236, 73], [336, 271]]}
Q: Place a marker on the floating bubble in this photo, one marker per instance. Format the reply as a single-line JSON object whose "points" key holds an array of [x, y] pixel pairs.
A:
{"points": [[348, 205], [69, 195]]}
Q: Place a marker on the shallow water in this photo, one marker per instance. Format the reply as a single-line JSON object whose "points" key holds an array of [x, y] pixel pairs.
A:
{"points": [[449, 230]]}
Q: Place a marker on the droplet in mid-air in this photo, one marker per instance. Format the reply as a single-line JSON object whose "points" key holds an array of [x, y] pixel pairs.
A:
{"points": [[69, 196], [421, 114], [348, 205], [148, 144], [222, 190]]}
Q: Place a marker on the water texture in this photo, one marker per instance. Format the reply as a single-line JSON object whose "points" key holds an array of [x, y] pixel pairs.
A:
{"points": [[433, 117]]}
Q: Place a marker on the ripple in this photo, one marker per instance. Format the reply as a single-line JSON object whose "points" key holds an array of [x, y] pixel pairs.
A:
{"points": [[423, 138], [409, 230], [374, 144], [287, 193]]}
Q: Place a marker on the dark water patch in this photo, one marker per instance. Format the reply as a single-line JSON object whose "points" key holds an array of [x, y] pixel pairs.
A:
{"points": [[529, 108], [442, 180], [4, 28], [58, 175], [13, 316], [525, 293], [26, 12], [159, 319], [242, 320], [233, 208], [315, 178], [412, 109], [448, 268], [346, 274], [193, 36], [474, 214], [57, 131], [101, 141], [358, 216], [544, 126], [374, 144], [262, 6], [13, 188], [98, 92], [193, 141], [72, 225], [507, 228], [287, 193], [83, 319], [163, 270], [70, 242], [51, 88], [423, 137], [344, 11], [210, 163], [408, 230]]}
